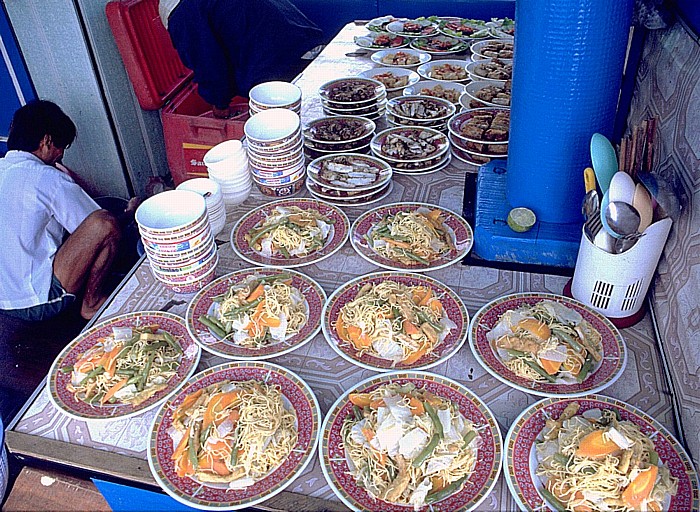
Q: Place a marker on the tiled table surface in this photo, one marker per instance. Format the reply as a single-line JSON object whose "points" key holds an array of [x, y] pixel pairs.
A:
{"points": [[642, 383]]}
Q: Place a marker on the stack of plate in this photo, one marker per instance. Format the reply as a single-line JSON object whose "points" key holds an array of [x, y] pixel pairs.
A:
{"points": [[480, 134], [349, 179], [276, 152], [353, 96], [227, 164], [210, 190], [338, 134], [497, 70], [177, 238], [274, 95], [486, 93], [412, 149], [419, 111]]}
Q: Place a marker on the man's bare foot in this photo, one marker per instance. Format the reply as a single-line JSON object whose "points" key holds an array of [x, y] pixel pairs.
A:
{"points": [[88, 311]]}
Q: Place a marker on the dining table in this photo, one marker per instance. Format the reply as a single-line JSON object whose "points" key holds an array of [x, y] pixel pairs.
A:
{"points": [[117, 449]]}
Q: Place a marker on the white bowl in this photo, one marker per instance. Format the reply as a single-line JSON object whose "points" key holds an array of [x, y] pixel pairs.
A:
{"points": [[421, 56], [425, 70], [273, 125], [274, 94], [225, 154], [170, 211], [202, 186]]}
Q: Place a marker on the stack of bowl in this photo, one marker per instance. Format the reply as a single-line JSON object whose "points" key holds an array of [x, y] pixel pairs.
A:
{"points": [[176, 236], [353, 96], [338, 134], [210, 190], [227, 164], [412, 149], [276, 152], [274, 95], [479, 135], [420, 111]]}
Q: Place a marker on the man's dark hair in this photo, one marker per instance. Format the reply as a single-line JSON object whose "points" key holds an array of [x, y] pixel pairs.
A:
{"points": [[35, 120]]}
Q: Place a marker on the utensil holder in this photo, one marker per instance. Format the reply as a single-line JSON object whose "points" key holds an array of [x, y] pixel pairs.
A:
{"points": [[615, 284]]}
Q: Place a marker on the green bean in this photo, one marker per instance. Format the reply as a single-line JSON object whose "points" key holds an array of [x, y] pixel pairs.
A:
{"points": [[66, 369], [126, 371], [561, 459], [171, 341], [218, 331], [539, 370], [133, 380], [234, 449], [415, 257], [585, 369], [358, 412], [469, 437], [251, 305], [219, 298], [437, 424], [93, 373], [275, 277], [446, 491], [558, 505], [152, 347], [266, 230], [568, 339], [653, 458], [516, 353], [423, 317], [144, 373], [427, 451], [284, 251], [392, 472], [192, 452], [203, 436]]}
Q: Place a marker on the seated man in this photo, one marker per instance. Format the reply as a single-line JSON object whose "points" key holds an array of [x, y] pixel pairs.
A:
{"points": [[40, 272], [233, 45]]}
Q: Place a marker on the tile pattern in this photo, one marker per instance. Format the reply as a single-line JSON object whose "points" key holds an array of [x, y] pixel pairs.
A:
{"points": [[329, 375], [668, 87]]}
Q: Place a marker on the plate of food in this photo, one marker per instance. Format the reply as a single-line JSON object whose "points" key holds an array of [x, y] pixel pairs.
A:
{"points": [[351, 91], [501, 27], [349, 172], [463, 28], [596, 453], [410, 441], [385, 321], [256, 313], [380, 41], [379, 24], [547, 345], [394, 78], [450, 91], [290, 233], [446, 70], [421, 108], [493, 48], [409, 144], [411, 236], [337, 133], [361, 199], [483, 125], [123, 366], [498, 70], [439, 45], [403, 58], [235, 435], [486, 93], [412, 28]]}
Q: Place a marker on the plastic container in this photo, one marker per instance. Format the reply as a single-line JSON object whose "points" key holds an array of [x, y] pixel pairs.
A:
{"points": [[615, 284]]}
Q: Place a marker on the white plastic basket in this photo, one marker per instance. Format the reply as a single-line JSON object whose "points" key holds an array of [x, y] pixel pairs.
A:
{"points": [[615, 284]]}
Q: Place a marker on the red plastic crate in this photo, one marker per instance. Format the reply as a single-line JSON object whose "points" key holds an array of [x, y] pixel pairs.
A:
{"points": [[161, 81]]}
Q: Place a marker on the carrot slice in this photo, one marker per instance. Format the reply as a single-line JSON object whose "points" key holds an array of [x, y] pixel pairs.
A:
{"points": [[551, 367], [417, 408], [415, 356], [435, 305], [535, 327], [360, 399], [217, 404], [426, 298], [340, 329], [595, 445], [409, 328], [438, 482], [110, 392], [640, 488], [256, 293], [214, 465], [182, 446]]}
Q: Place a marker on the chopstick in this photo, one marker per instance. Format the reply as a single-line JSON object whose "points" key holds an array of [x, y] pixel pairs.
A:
{"points": [[636, 150]]}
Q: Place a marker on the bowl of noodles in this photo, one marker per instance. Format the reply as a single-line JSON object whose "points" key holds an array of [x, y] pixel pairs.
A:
{"points": [[410, 440], [596, 453], [401, 320], [547, 345], [123, 366], [290, 233], [411, 236], [256, 313], [235, 435]]}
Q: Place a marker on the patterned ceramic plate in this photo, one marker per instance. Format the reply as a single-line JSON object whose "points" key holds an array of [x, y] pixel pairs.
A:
{"points": [[521, 463], [372, 198], [439, 45], [380, 41], [335, 465], [202, 303], [602, 375], [451, 303], [334, 241], [459, 232], [58, 380], [215, 496]]}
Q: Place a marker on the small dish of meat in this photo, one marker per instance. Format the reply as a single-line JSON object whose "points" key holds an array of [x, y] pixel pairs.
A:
{"points": [[453, 70], [400, 58]]}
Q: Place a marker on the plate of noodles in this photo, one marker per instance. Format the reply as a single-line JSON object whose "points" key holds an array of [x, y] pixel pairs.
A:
{"points": [[410, 441], [395, 320], [235, 435], [256, 313], [411, 236], [123, 366], [290, 233], [596, 453], [547, 345]]}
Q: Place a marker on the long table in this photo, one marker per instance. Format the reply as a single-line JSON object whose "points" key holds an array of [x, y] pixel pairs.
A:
{"points": [[118, 448]]}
